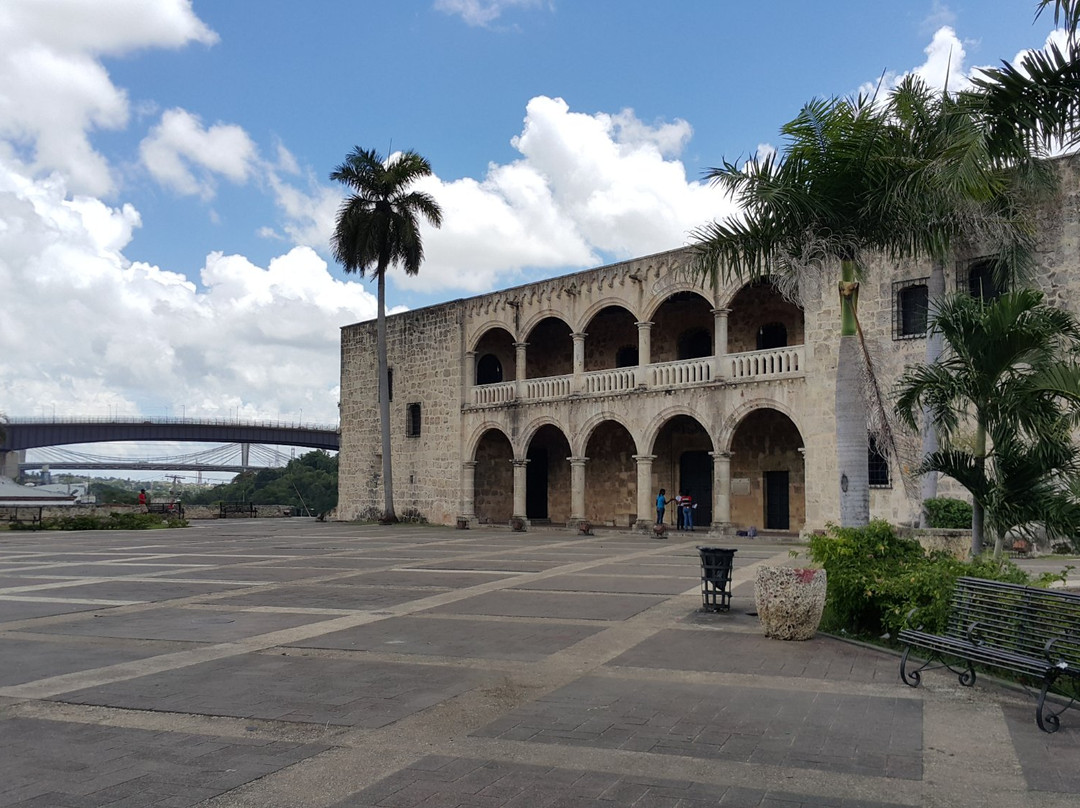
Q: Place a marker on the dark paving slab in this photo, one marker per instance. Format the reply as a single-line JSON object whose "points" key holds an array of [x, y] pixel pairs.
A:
{"points": [[332, 563], [323, 596], [53, 764], [455, 781], [12, 609], [24, 660], [259, 574], [301, 689], [644, 585], [191, 625], [585, 606], [691, 572], [728, 652], [104, 570], [526, 642], [141, 591], [507, 565], [8, 581], [439, 579], [851, 734], [1049, 760]]}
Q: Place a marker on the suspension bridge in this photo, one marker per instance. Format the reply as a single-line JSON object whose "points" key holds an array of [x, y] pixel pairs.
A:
{"points": [[233, 457]]}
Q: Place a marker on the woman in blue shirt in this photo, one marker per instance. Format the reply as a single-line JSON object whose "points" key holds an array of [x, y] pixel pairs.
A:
{"points": [[661, 502]]}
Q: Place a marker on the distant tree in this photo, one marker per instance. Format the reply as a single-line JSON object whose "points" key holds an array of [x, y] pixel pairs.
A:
{"points": [[377, 226]]}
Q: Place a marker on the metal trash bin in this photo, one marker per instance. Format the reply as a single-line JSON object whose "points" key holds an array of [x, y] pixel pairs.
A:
{"points": [[716, 566]]}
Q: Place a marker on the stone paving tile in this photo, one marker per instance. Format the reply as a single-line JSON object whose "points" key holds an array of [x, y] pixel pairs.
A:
{"points": [[721, 652], [507, 565], [441, 579], [323, 596], [259, 574], [26, 660], [301, 689], [8, 581], [450, 782], [623, 584], [509, 603], [868, 735], [54, 764], [1049, 760], [103, 570], [526, 642], [12, 609], [662, 567], [191, 625], [140, 591]]}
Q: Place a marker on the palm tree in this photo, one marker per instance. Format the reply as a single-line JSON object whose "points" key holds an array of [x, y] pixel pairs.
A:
{"points": [[1010, 371], [378, 226]]}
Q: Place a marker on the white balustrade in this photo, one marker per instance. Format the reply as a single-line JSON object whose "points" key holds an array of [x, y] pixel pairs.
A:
{"points": [[609, 381], [549, 387], [501, 393], [768, 364], [681, 373]]}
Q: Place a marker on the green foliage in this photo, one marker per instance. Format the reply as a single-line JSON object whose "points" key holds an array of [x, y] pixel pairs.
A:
{"points": [[875, 579], [308, 484], [114, 521], [109, 494], [945, 512]]}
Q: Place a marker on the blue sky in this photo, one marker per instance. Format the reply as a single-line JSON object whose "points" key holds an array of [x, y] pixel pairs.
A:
{"points": [[164, 201]]}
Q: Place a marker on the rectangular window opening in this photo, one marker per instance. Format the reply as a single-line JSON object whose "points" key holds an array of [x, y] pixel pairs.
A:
{"points": [[911, 306], [412, 420]]}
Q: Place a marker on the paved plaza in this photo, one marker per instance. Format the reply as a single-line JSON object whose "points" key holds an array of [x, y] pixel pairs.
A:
{"points": [[292, 663]]}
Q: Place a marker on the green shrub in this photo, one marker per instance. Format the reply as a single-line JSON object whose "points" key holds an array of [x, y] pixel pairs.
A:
{"points": [[875, 578], [114, 521], [945, 512]]}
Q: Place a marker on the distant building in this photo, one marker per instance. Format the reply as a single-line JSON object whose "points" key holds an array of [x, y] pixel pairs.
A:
{"points": [[582, 396]]}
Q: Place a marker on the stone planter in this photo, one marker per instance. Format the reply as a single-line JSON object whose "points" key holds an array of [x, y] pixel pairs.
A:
{"points": [[789, 601]]}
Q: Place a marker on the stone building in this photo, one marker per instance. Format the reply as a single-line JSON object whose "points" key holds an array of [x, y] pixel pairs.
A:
{"points": [[580, 397]]}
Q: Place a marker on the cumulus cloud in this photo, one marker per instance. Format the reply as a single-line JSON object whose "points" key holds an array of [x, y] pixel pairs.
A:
{"points": [[185, 156], [483, 12], [53, 89]]}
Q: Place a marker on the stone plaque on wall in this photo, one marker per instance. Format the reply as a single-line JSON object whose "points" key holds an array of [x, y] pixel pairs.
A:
{"points": [[740, 486]]}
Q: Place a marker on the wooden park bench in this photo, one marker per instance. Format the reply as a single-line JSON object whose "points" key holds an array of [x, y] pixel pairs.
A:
{"points": [[227, 509], [166, 508], [1022, 629]]}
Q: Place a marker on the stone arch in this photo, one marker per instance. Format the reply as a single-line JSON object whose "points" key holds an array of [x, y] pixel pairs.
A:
{"points": [[538, 317], [676, 288], [529, 432], [493, 475], [682, 449], [607, 302], [768, 470], [482, 330], [610, 474], [727, 429], [647, 439], [548, 494], [477, 435], [587, 428]]}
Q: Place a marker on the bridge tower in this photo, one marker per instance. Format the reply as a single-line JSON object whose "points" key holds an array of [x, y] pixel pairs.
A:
{"points": [[9, 463]]}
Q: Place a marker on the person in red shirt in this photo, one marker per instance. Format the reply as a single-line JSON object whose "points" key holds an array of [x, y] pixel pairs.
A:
{"points": [[143, 499]]}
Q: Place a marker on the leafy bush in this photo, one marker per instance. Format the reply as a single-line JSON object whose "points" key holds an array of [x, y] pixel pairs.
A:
{"points": [[875, 578], [945, 512], [114, 521]]}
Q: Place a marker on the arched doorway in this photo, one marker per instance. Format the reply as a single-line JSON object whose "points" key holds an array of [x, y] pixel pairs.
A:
{"points": [[547, 476], [550, 351], [683, 465], [494, 357], [493, 496], [682, 328], [611, 476], [761, 319], [768, 482], [612, 336]]}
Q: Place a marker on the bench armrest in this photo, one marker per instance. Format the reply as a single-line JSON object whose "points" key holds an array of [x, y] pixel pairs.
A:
{"points": [[1048, 650], [974, 633]]}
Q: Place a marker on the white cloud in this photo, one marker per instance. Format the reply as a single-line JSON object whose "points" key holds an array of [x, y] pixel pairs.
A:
{"points": [[53, 90], [483, 12], [185, 156]]}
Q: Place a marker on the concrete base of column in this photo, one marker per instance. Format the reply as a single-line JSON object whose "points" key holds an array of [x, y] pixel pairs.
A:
{"points": [[721, 529], [519, 523]]}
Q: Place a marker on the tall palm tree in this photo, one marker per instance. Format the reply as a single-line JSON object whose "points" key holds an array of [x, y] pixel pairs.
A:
{"points": [[377, 226], [1010, 371]]}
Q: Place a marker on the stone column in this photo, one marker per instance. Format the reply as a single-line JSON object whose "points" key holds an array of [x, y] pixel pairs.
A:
{"points": [[577, 487], [469, 371], [577, 384], [519, 489], [519, 369], [646, 497], [644, 351], [721, 514], [720, 343], [468, 494]]}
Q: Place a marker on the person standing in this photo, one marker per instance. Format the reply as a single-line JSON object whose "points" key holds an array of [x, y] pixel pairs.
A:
{"points": [[678, 510], [144, 500], [686, 506], [661, 505]]}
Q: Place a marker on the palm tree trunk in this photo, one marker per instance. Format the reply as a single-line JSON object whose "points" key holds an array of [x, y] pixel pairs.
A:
{"points": [[978, 513], [384, 399], [851, 417], [928, 485]]}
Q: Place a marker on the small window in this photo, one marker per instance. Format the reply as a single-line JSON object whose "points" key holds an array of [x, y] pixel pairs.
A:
{"points": [[626, 357], [489, 370], [877, 465], [912, 304], [389, 384], [980, 281], [772, 335], [412, 420]]}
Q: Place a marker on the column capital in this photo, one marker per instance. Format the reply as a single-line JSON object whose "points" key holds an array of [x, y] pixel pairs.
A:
{"points": [[720, 455], [520, 463], [644, 458], [721, 311], [644, 325], [578, 334], [578, 461], [471, 353], [470, 464], [521, 345]]}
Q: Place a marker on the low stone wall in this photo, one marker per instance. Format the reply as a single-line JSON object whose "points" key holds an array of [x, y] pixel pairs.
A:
{"points": [[956, 543], [190, 511]]}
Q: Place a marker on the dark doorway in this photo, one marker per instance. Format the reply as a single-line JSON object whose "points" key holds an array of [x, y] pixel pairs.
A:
{"points": [[536, 484], [489, 370], [776, 500], [695, 476]]}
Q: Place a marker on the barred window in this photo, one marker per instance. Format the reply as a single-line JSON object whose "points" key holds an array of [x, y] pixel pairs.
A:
{"points": [[412, 420], [911, 304], [979, 280], [877, 465]]}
